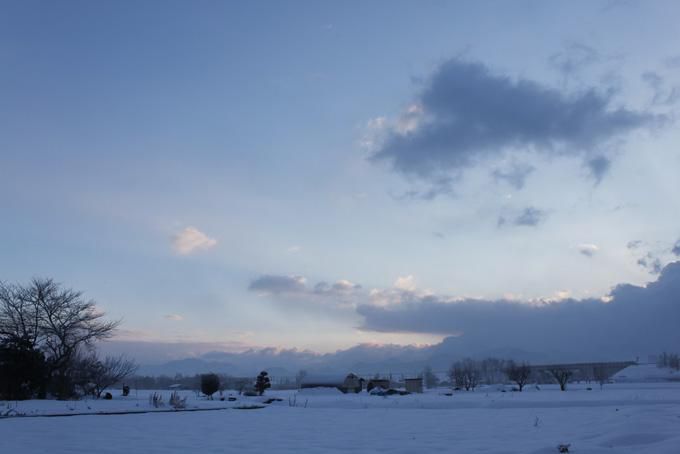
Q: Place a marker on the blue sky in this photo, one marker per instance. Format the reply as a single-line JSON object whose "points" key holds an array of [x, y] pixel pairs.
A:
{"points": [[199, 168]]}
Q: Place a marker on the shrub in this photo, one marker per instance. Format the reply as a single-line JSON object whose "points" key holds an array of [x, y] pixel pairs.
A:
{"points": [[156, 400], [23, 371], [177, 402], [262, 382], [210, 383]]}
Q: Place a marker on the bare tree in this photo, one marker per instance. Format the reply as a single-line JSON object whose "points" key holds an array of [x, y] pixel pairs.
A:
{"points": [[19, 320], [601, 375], [457, 375], [492, 370], [519, 373], [562, 376], [472, 374], [67, 323], [106, 373], [56, 321], [465, 374]]}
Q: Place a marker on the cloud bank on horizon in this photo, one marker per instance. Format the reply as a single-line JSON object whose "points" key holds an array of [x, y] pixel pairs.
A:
{"points": [[629, 321]]}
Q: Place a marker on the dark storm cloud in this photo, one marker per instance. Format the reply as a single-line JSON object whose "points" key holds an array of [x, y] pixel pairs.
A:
{"points": [[650, 263], [588, 250], [467, 114], [294, 290], [598, 166], [270, 283], [529, 217], [676, 249], [636, 319], [515, 176]]}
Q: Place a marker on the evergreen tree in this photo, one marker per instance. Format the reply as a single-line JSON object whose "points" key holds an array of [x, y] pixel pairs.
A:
{"points": [[210, 383], [262, 382]]}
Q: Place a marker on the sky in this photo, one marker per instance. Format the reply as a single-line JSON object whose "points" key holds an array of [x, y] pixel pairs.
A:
{"points": [[317, 175]]}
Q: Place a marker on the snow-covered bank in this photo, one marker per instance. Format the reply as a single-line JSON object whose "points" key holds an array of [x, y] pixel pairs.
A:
{"points": [[621, 418]]}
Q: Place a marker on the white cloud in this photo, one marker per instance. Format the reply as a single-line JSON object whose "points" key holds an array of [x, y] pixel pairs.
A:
{"points": [[406, 283], [373, 132], [174, 317], [294, 249], [409, 120], [191, 240]]}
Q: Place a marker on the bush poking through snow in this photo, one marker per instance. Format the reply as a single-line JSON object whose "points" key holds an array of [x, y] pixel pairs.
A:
{"points": [[563, 447], [177, 402], [156, 400], [210, 384]]}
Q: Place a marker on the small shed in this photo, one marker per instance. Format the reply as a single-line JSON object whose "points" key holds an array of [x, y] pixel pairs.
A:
{"points": [[414, 385]]}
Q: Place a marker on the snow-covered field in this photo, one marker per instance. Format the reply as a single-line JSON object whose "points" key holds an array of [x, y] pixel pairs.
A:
{"points": [[621, 418]]}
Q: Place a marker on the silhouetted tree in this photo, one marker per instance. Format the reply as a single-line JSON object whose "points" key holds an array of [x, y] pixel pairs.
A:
{"points": [[106, 373], [519, 373], [56, 321], [262, 382], [457, 375], [465, 374], [562, 376], [210, 383], [23, 371]]}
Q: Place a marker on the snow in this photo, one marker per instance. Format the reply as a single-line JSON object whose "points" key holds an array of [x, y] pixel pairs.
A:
{"points": [[320, 391], [647, 373], [620, 418]]}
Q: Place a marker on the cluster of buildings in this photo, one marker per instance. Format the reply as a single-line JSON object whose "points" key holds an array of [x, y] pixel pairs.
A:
{"points": [[352, 383]]}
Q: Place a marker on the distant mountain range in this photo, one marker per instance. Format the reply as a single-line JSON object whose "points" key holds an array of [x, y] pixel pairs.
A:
{"points": [[365, 359]]}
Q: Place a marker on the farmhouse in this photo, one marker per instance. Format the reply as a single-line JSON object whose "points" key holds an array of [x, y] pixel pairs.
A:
{"points": [[413, 385]]}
